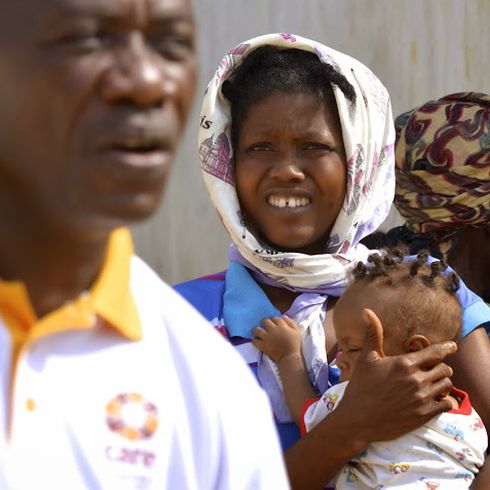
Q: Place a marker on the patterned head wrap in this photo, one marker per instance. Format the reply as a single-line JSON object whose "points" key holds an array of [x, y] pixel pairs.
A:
{"points": [[368, 135], [443, 166]]}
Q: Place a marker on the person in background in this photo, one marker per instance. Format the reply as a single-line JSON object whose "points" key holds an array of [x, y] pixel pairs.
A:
{"points": [[417, 300], [296, 149], [443, 184], [109, 379], [442, 190]]}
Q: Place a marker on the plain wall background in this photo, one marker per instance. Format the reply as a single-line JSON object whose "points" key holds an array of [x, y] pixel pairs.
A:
{"points": [[420, 49]]}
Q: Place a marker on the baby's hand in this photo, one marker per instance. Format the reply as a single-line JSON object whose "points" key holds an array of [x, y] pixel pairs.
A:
{"points": [[278, 338]]}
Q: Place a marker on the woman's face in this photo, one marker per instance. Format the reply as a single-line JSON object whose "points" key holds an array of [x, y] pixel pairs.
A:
{"points": [[291, 171]]}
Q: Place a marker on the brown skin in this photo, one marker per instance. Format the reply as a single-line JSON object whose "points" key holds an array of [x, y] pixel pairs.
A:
{"points": [[93, 99], [388, 396], [289, 147]]}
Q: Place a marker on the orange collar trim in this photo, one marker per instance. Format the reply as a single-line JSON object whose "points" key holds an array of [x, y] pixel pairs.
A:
{"points": [[109, 297]]}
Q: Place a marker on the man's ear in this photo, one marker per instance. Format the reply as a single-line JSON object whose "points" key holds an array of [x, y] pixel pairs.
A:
{"points": [[415, 343], [374, 329]]}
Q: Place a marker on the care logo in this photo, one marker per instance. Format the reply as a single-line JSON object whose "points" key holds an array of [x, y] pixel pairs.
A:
{"points": [[131, 416]]}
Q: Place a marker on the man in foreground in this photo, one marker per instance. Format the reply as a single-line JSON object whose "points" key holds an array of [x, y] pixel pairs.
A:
{"points": [[109, 379]]}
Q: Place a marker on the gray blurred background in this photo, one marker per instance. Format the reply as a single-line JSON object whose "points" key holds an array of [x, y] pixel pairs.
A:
{"points": [[420, 49]]}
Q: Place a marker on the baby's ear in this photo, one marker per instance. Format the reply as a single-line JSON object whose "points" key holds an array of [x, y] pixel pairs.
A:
{"points": [[415, 343]]}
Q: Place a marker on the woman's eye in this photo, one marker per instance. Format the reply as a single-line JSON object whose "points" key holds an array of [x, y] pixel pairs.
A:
{"points": [[260, 147], [317, 146]]}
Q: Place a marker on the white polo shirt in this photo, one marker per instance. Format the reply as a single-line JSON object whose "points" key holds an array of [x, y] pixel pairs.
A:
{"points": [[128, 388]]}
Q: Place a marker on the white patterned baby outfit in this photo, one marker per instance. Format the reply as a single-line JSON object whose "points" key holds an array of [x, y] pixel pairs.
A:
{"points": [[445, 453]]}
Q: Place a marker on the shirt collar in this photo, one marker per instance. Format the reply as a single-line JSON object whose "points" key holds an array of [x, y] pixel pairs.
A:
{"points": [[241, 316], [109, 298]]}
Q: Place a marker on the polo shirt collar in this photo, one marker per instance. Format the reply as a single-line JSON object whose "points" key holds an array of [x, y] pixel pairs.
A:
{"points": [[109, 298]]}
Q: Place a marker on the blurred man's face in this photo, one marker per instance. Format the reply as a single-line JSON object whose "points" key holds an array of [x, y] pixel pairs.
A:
{"points": [[94, 95]]}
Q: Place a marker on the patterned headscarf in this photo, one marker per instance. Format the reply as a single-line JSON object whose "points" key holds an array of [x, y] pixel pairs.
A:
{"points": [[368, 134], [443, 166]]}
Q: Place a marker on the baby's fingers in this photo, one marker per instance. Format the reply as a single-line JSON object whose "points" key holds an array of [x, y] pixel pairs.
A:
{"points": [[259, 332], [291, 323], [273, 323], [269, 322]]}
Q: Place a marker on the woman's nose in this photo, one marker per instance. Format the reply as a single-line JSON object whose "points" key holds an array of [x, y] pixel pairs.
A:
{"points": [[287, 167], [137, 75]]}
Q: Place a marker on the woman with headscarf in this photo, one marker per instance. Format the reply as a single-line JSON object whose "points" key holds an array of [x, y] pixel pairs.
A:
{"points": [[296, 149]]}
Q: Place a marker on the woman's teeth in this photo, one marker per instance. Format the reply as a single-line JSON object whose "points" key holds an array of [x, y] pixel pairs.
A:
{"points": [[288, 202]]}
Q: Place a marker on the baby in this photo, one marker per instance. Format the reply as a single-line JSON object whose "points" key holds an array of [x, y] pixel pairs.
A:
{"points": [[415, 305]]}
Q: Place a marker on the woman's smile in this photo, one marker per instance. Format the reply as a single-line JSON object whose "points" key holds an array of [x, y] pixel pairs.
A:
{"points": [[277, 201]]}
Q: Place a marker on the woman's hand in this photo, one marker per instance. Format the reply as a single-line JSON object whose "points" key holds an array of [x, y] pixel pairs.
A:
{"points": [[390, 396], [278, 338]]}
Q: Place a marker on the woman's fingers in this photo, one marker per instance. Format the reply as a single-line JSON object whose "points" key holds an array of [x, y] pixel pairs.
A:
{"points": [[437, 372], [442, 389], [438, 385], [373, 337], [432, 355]]}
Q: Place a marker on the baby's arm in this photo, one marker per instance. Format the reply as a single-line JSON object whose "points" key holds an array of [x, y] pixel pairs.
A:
{"points": [[280, 339]]}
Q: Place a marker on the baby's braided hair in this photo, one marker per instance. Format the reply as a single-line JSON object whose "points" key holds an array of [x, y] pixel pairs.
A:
{"points": [[413, 294], [391, 266]]}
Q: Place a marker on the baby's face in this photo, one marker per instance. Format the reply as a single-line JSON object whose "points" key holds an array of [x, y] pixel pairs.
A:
{"points": [[350, 329]]}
